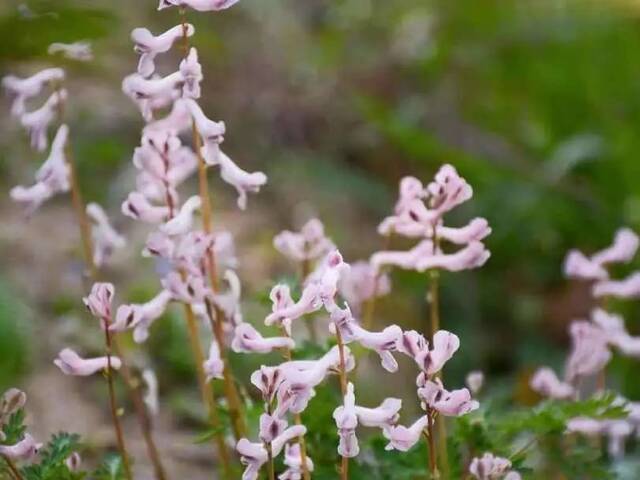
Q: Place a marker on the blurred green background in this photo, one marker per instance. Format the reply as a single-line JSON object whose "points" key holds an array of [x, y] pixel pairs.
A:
{"points": [[536, 103]]}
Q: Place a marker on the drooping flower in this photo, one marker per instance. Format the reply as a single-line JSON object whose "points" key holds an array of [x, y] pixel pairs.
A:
{"points": [[362, 283], [449, 404], [383, 416], [149, 46], [105, 238], [153, 93], [182, 222], [490, 467], [73, 364], [431, 361], [98, 302], [244, 182], [141, 316], [404, 438], [80, 51], [293, 461], [26, 449], [285, 310], [589, 351], [199, 5], [310, 244], [138, 207], [192, 73], [346, 421], [547, 384], [214, 366], [626, 288], [247, 339], [22, 89], [268, 381], [191, 289], [37, 122], [211, 132]]}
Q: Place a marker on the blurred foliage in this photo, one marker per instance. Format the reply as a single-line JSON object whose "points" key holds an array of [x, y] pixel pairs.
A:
{"points": [[14, 336]]}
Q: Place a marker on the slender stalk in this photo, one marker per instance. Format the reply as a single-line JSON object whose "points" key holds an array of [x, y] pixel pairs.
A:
{"points": [[297, 418], [230, 390], [114, 409], [431, 442], [15, 473], [208, 396], [344, 464], [271, 468], [141, 412]]}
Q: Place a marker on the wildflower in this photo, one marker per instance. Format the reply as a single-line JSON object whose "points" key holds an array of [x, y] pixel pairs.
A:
{"points": [[38, 121], [191, 71], [12, 400], [309, 244], [281, 300], [431, 361], [490, 467], [268, 381], [182, 222], [214, 366], [73, 462], [404, 438], [475, 381], [244, 182], [347, 420], [105, 238], [284, 310], [73, 364], [627, 288], [293, 460], [589, 353], [26, 449], [271, 426], [248, 339], [98, 302], [450, 404], [150, 94], [151, 397], [138, 207], [192, 289], [362, 283], [229, 302], [577, 265], [547, 384], [149, 46], [199, 5], [80, 51], [22, 89]]}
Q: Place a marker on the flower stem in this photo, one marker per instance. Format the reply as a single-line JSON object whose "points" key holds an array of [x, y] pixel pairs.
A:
{"points": [[208, 396], [15, 473], [431, 442], [305, 270], [344, 465], [114, 409]]}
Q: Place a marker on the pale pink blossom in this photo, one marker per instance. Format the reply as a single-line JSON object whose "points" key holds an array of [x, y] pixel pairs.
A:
{"points": [[430, 361], [407, 260], [449, 404], [248, 340], [178, 120], [474, 381], [346, 421], [309, 244], [211, 132], [214, 365], [490, 467], [244, 182], [616, 430], [199, 5], [385, 415], [25, 450], [150, 398], [327, 276], [224, 250], [192, 73], [140, 316], [105, 238], [153, 93], [191, 289], [281, 300], [447, 191], [404, 438], [577, 265], [137, 206], [98, 302], [228, 302], [74, 462], [37, 122], [547, 384], [284, 310], [271, 426], [73, 364], [12, 400], [589, 351], [293, 460], [80, 51], [626, 288], [383, 343], [411, 190], [268, 381], [149, 46], [473, 255], [623, 249], [159, 245], [362, 283], [586, 426], [476, 230], [182, 222], [32, 197], [22, 89]]}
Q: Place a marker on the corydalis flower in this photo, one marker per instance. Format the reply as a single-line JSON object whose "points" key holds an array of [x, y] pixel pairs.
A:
{"points": [[192, 289], [149, 46], [404, 438], [474, 381], [22, 89], [138, 207], [346, 421], [98, 302], [37, 122], [153, 93], [626, 288], [73, 364], [547, 384], [12, 400], [244, 182], [284, 309], [362, 283], [140, 316], [293, 460], [490, 467], [213, 366], [105, 238], [247, 339], [589, 351], [449, 404], [26, 449], [80, 51], [309, 244], [268, 381], [199, 5], [191, 71], [183, 221], [430, 361]]}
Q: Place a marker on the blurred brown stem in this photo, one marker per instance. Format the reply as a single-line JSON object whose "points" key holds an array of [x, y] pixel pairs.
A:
{"points": [[15, 473], [431, 443]]}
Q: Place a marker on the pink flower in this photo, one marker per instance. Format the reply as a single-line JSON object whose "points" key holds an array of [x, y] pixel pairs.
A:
{"points": [[212, 132], [383, 343], [199, 5], [362, 283], [80, 51], [182, 222], [476, 230], [229, 301], [447, 191], [270, 427], [73, 364], [32, 197], [309, 244], [411, 190], [384, 416], [98, 302], [627, 288], [38, 121], [413, 344], [22, 89], [56, 163], [589, 352], [268, 381], [327, 276], [149, 46], [26, 449], [450, 404], [404, 438], [153, 93], [105, 238], [192, 289], [577, 265], [151, 397], [138, 207], [177, 121], [247, 339], [547, 384], [473, 255], [141, 316], [244, 182], [284, 310], [474, 381], [73, 462], [489, 467], [347, 420], [192, 73], [293, 460], [12, 400], [214, 366], [407, 260], [624, 248]]}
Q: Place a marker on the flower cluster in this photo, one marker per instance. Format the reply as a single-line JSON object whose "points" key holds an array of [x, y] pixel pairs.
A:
{"points": [[490, 467], [26, 448]]}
